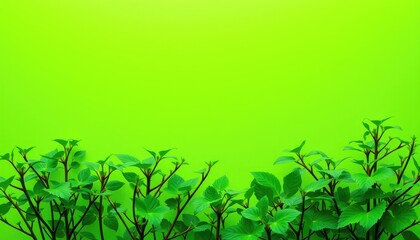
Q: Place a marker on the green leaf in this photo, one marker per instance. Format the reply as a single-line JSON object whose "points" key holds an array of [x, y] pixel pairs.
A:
{"points": [[284, 159], [188, 184], [298, 149], [89, 219], [245, 229], [164, 152], [399, 217], [315, 186], [150, 209], [79, 155], [4, 183], [190, 220], [382, 174], [87, 235], [62, 142], [267, 180], [323, 220], [4, 208], [211, 194], [131, 177], [356, 214], [343, 196], [409, 235], [127, 160], [291, 183], [111, 221], [279, 223], [262, 204], [221, 183], [252, 213], [114, 185], [83, 175], [60, 190]]}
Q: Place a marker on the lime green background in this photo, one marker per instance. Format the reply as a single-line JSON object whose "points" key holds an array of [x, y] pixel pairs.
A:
{"points": [[236, 81]]}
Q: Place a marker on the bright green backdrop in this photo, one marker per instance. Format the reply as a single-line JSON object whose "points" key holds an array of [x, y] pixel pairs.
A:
{"points": [[238, 81]]}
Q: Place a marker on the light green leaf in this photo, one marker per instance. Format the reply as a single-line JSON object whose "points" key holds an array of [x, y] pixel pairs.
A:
{"points": [[252, 213], [284, 159], [128, 160], [221, 183], [244, 230], [279, 223], [315, 186], [61, 190]]}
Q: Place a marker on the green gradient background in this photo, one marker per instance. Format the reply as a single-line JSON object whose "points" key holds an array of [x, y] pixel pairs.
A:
{"points": [[236, 81]]}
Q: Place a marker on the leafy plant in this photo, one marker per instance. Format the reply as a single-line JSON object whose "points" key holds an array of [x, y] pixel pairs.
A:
{"points": [[58, 195], [50, 203]]}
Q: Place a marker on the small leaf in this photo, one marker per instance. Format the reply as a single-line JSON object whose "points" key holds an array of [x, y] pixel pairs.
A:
{"points": [[62, 142], [252, 213], [221, 183], [284, 159], [83, 175], [211, 194], [131, 177], [61, 190], [298, 149], [315, 186], [111, 221], [279, 223], [4, 183], [127, 160], [114, 185], [87, 235], [4, 208]]}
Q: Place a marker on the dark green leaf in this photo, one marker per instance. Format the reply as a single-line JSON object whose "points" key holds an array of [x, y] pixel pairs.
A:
{"points": [[399, 217], [87, 235], [409, 235], [4, 208], [291, 183], [111, 221], [114, 185], [4, 183], [83, 175], [315, 186], [131, 177], [267, 180]]}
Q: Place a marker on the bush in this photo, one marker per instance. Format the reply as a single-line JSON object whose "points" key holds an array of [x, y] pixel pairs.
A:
{"points": [[59, 195]]}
